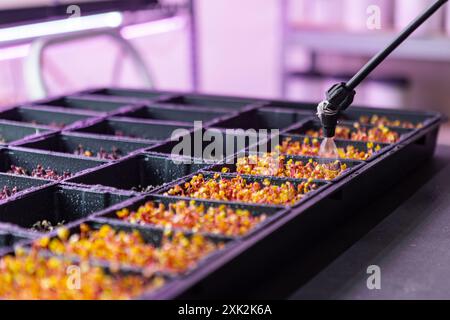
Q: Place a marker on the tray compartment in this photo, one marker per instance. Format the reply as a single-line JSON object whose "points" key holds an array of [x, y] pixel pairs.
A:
{"points": [[132, 129], [133, 204], [131, 93], [151, 236], [263, 119], [340, 144], [352, 165], [209, 102], [9, 237], [57, 204], [71, 143], [19, 183], [151, 284], [211, 145], [304, 107], [95, 104], [315, 127], [141, 173], [44, 116], [29, 160], [12, 236], [11, 132], [415, 118], [178, 114], [320, 185]]}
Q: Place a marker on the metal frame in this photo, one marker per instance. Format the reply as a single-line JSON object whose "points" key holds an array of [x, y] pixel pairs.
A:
{"points": [[34, 63]]}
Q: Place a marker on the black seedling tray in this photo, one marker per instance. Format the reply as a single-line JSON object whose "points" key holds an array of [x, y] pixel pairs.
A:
{"points": [[99, 188], [174, 113], [352, 165], [142, 172], [45, 116], [316, 126], [133, 128], [11, 132], [71, 142], [133, 204], [56, 204], [30, 159], [91, 103]]}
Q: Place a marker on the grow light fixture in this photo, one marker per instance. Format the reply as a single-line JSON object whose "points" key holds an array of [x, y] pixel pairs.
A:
{"points": [[48, 28]]}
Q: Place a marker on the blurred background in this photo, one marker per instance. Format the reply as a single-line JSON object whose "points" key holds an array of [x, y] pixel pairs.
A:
{"points": [[289, 49]]}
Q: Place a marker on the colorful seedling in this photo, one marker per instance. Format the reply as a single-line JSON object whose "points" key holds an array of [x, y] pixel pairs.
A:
{"points": [[193, 217], [238, 189]]}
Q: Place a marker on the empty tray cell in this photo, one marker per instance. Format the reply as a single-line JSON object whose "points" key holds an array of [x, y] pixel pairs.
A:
{"points": [[208, 217], [44, 116], [304, 107], [210, 102], [42, 165], [44, 209], [140, 173], [262, 119], [131, 93], [403, 119], [211, 145], [178, 114], [294, 167], [10, 132], [355, 132], [89, 147], [244, 189], [307, 146], [136, 129], [86, 103], [11, 185], [130, 246]]}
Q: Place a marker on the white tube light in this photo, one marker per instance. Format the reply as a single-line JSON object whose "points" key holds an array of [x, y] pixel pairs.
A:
{"points": [[108, 20], [98, 21]]}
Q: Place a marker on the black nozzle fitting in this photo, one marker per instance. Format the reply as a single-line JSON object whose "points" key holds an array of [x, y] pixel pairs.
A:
{"points": [[339, 98], [329, 123]]}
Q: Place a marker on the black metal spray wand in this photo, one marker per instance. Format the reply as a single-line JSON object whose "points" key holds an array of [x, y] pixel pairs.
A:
{"points": [[340, 96]]}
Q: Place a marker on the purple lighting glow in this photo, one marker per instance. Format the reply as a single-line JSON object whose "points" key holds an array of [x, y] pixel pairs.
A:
{"points": [[151, 28]]}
